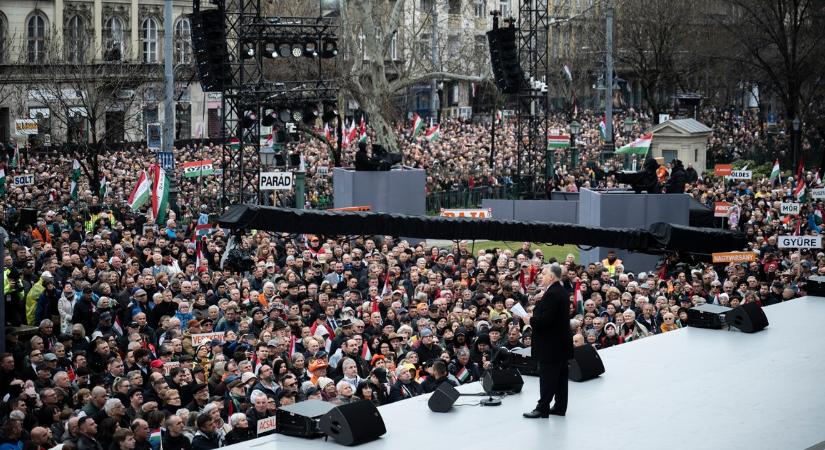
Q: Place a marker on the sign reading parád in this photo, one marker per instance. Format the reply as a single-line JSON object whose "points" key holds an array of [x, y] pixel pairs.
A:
{"points": [[472, 213], [276, 181], [799, 242]]}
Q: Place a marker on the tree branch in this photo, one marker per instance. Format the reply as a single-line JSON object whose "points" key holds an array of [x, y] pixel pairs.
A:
{"points": [[398, 85]]}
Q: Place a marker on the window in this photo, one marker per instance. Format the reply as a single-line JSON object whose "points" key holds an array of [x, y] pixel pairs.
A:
{"points": [[36, 38], [75, 44], [670, 155], [426, 5], [424, 46], [149, 32], [3, 29], [454, 6], [115, 127], [150, 115], [394, 47], [183, 121], [480, 9], [453, 47], [504, 7], [183, 42], [113, 35]]}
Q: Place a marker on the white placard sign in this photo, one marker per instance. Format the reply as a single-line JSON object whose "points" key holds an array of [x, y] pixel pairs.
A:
{"points": [[789, 209], [24, 180], [266, 425], [818, 193], [799, 242], [740, 174], [200, 338], [276, 181]]}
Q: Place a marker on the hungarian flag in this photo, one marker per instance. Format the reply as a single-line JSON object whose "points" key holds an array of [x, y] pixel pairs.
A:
{"points": [[463, 375], [775, 173], [141, 191], [160, 193], [603, 130], [75, 176], [155, 439], [104, 187], [352, 132], [197, 168], [578, 300], [199, 259], [363, 130], [568, 75], [327, 133], [366, 354], [560, 141], [234, 144], [638, 147], [292, 342], [499, 115], [799, 189], [433, 134], [417, 125], [2, 181]]}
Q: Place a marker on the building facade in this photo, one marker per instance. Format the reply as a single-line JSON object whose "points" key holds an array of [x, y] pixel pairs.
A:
{"points": [[92, 70]]}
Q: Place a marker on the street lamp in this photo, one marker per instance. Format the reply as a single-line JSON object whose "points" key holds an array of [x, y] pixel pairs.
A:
{"points": [[575, 128], [795, 124], [267, 156]]}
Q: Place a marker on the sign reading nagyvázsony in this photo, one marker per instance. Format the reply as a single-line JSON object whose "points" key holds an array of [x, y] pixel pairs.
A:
{"points": [[789, 209], [740, 174], [200, 338], [799, 242], [480, 213], [24, 180], [276, 181], [733, 257]]}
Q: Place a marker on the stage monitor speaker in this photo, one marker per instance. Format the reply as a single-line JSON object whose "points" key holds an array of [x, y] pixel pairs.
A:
{"points": [[502, 380], [443, 398], [815, 286], [353, 423], [586, 364], [748, 318]]}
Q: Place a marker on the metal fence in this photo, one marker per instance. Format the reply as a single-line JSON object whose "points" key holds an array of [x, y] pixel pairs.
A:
{"points": [[467, 198]]}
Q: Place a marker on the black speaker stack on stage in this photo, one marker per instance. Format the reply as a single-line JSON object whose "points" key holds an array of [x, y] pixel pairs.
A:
{"points": [[505, 59], [815, 286], [707, 316], [301, 419], [353, 423], [585, 365]]}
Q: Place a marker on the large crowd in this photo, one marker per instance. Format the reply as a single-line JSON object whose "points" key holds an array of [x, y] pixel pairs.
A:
{"points": [[120, 337]]}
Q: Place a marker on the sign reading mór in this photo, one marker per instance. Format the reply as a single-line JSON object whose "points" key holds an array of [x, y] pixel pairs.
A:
{"points": [[789, 209], [799, 242], [276, 181]]}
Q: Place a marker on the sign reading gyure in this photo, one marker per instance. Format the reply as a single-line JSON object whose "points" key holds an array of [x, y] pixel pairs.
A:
{"points": [[799, 242]]}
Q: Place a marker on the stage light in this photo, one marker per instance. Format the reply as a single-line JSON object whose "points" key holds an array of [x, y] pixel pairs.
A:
{"points": [[329, 49], [330, 112], [284, 115], [311, 49], [311, 113], [297, 115], [269, 118], [297, 50], [271, 50], [249, 119], [248, 50]]}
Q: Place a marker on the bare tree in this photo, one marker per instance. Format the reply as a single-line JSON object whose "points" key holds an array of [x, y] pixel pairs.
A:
{"points": [[80, 94], [780, 43]]}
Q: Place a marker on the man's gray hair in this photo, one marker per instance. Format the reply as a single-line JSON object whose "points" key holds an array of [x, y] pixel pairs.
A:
{"points": [[555, 269], [110, 405]]}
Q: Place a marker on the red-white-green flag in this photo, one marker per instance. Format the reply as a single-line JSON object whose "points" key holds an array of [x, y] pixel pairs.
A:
{"points": [[141, 191], [75, 176], [560, 141], [775, 173], [160, 194], [15, 159], [638, 147], [363, 131], [433, 133], [799, 189], [235, 143], [603, 130], [417, 125]]}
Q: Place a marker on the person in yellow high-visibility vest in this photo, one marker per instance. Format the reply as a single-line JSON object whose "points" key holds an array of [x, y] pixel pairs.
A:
{"points": [[611, 262]]}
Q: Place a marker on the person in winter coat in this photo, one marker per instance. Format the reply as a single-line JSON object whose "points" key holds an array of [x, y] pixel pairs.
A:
{"points": [[405, 387], [631, 329], [34, 294], [611, 336], [47, 302], [84, 311], [205, 438], [65, 307], [240, 429]]}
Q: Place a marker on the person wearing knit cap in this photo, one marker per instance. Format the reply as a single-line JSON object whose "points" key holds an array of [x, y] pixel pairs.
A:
{"points": [[327, 387]]}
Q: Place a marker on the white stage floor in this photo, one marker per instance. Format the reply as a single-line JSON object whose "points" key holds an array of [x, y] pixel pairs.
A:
{"points": [[692, 389]]}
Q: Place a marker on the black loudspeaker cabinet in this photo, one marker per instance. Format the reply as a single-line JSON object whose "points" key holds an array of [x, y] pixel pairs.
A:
{"points": [[502, 380], [443, 398], [28, 216], [586, 364], [748, 318], [353, 423]]}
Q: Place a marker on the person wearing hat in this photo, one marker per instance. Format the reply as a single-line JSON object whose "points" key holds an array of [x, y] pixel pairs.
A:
{"points": [[200, 397], [552, 344], [428, 350], [317, 369]]}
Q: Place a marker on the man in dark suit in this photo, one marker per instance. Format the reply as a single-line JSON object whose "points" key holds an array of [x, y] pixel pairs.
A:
{"points": [[552, 344]]}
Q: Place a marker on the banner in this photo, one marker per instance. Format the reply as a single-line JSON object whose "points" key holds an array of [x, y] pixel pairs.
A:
{"points": [[473, 213], [721, 209], [722, 170], [167, 367], [201, 338], [153, 135], [789, 209], [23, 180], [740, 175], [735, 257], [276, 181], [266, 425], [25, 126], [197, 168]]}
